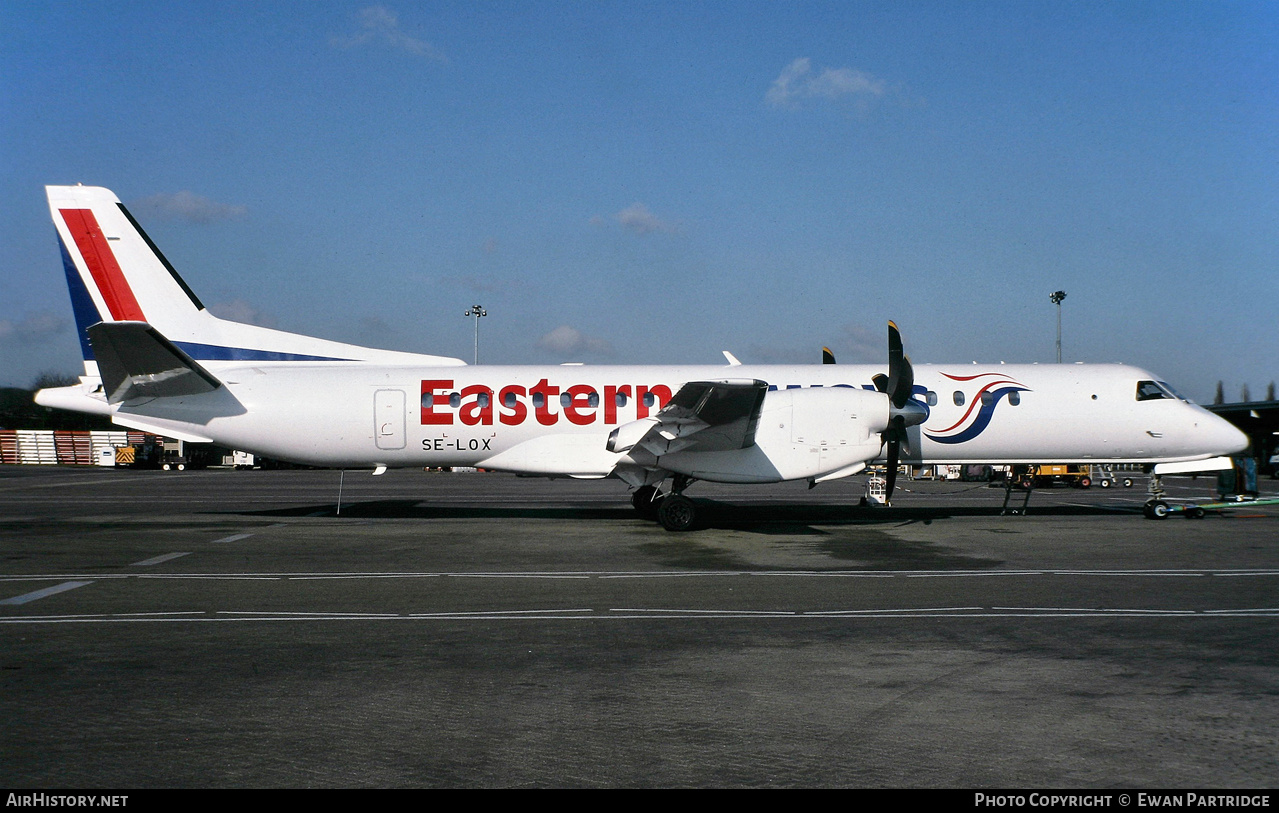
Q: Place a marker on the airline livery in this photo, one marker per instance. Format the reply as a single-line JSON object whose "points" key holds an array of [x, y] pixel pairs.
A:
{"points": [[158, 361]]}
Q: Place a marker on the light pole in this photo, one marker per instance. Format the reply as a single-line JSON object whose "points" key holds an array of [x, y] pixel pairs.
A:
{"points": [[1056, 297], [476, 311]]}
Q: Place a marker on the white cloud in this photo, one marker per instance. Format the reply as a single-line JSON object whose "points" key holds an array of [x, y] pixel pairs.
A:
{"points": [[188, 206], [568, 341], [378, 24], [639, 219], [796, 83], [237, 310], [863, 345], [34, 328]]}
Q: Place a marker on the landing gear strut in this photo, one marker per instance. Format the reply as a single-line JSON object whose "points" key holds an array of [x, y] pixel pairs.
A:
{"points": [[1156, 506], [677, 512], [647, 500], [674, 511]]}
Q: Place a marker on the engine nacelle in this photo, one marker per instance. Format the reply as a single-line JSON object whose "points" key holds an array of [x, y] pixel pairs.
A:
{"points": [[802, 434]]}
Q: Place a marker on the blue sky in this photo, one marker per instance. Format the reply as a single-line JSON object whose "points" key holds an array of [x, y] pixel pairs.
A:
{"points": [[655, 182]]}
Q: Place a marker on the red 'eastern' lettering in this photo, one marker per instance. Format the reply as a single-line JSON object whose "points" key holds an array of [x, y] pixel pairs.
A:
{"points": [[542, 406], [475, 404], [579, 400], [508, 399], [610, 400], [479, 411], [430, 400]]}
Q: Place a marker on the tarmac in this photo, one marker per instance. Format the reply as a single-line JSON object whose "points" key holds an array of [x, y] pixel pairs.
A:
{"points": [[223, 629]]}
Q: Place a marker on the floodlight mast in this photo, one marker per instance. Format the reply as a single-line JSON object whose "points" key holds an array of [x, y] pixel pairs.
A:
{"points": [[1056, 297], [477, 311]]}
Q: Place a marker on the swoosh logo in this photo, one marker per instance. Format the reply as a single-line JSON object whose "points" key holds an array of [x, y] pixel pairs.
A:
{"points": [[980, 411]]}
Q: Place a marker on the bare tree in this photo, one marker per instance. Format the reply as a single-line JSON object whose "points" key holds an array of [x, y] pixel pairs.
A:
{"points": [[52, 378]]}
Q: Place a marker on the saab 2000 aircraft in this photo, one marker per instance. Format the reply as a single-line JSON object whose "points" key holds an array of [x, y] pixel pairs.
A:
{"points": [[158, 361]]}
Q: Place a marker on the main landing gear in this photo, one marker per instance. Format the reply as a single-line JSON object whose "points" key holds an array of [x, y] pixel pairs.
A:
{"points": [[674, 511]]}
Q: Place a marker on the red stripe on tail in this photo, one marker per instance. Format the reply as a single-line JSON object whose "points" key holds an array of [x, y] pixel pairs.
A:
{"points": [[102, 265]]}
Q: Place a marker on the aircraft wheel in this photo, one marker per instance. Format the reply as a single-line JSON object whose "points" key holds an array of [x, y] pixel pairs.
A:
{"points": [[1156, 509], [676, 513], [644, 500]]}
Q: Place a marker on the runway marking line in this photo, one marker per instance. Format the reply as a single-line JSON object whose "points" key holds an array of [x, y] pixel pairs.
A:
{"points": [[617, 614], [44, 593], [604, 575], [231, 538], [155, 560]]}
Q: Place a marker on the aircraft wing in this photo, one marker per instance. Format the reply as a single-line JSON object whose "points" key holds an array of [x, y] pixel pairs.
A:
{"points": [[703, 416]]}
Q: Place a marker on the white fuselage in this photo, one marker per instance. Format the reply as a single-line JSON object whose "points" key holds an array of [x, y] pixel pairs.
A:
{"points": [[555, 420]]}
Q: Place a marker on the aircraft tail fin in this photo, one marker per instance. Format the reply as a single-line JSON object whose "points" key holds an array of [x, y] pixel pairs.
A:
{"points": [[99, 241], [116, 274]]}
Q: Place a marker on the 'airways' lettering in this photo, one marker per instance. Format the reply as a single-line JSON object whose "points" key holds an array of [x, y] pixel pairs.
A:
{"points": [[579, 404]]}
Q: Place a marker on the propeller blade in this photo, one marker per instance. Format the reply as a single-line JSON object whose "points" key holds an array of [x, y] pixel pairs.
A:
{"points": [[827, 356], [901, 376], [890, 476]]}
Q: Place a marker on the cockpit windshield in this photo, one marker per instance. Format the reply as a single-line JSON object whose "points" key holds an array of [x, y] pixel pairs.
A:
{"points": [[1155, 390]]}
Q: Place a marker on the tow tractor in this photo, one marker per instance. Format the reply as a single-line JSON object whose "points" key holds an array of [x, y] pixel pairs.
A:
{"points": [[1232, 475], [1159, 509]]}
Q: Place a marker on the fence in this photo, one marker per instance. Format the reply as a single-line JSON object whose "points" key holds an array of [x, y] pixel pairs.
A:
{"points": [[49, 447]]}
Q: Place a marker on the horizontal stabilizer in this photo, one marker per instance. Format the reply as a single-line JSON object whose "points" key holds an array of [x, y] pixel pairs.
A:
{"points": [[136, 361]]}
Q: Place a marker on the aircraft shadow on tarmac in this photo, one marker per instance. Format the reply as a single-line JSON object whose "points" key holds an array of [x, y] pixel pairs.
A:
{"points": [[847, 536], [711, 514]]}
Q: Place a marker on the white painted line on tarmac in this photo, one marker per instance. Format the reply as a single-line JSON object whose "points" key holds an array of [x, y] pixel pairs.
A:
{"points": [[155, 560], [953, 613], [48, 591], [231, 538]]}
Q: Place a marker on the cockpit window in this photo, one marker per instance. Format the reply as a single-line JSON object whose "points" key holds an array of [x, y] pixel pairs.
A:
{"points": [[1168, 388], [1154, 390]]}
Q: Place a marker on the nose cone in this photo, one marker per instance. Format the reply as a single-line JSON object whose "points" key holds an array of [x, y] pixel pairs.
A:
{"points": [[1220, 436]]}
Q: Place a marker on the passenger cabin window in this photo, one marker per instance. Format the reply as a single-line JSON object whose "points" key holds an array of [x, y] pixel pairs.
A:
{"points": [[931, 398], [987, 399], [959, 398], [1014, 398]]}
